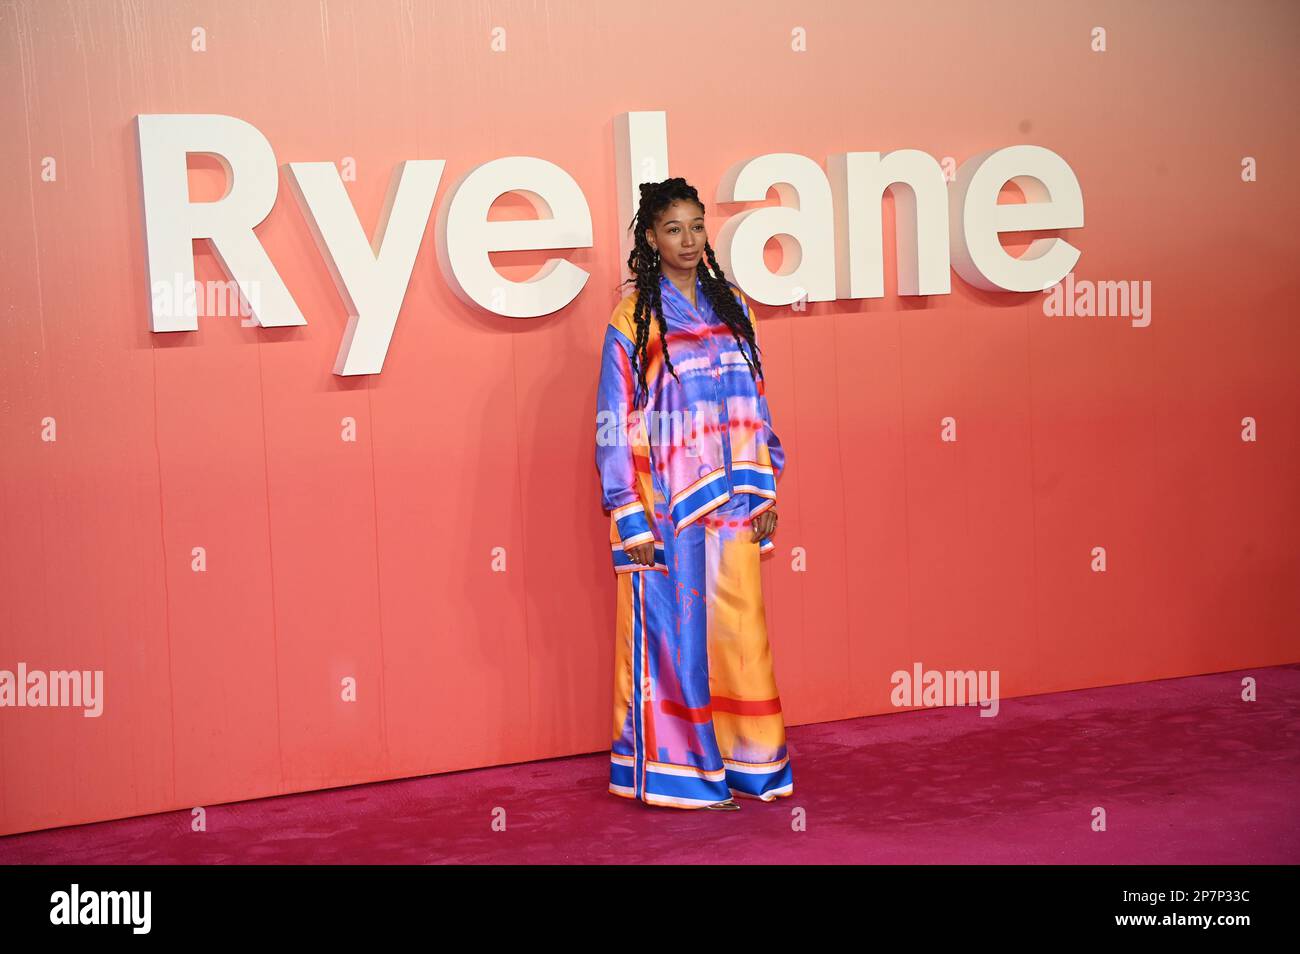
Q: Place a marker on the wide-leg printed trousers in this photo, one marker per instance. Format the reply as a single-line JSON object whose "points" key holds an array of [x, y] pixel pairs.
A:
{"points": [[697, 717]]}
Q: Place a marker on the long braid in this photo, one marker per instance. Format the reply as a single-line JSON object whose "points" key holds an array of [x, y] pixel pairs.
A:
{"points": [[728, 309], [643, 263]]}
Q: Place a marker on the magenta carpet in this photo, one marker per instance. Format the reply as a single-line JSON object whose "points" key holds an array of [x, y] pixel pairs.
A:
{"points": [[1186, 771]]}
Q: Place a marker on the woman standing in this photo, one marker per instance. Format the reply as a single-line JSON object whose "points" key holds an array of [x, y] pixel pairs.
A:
{"points": [[688, 464]]}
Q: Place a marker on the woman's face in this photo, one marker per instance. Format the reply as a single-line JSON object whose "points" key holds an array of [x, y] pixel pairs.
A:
{"points": [[679, 234]]}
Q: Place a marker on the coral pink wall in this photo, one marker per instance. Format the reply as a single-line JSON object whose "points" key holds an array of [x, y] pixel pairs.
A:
{"points": [[373, 558]]}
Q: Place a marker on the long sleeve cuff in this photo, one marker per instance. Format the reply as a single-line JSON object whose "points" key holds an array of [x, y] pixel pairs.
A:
{"points": [[623, 563], [632, 524]]}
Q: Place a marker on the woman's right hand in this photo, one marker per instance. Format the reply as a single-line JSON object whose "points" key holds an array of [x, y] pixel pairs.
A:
{"points": [[642, 553]]}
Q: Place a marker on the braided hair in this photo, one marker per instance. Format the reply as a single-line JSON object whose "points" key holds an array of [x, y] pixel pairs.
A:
{"points": [[643, 263]]}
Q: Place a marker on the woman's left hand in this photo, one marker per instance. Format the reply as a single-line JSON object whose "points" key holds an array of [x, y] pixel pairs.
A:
{"points": [[765, 524]]}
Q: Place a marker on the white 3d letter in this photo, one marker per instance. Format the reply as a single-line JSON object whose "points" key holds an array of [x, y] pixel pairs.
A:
{"points": [[640, 155], [806, 215], [465, 236], [859, 180], [1054, 202], [372, 275], [171, 221]]}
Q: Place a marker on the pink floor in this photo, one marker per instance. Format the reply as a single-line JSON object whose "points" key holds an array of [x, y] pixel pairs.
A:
{"points": [[1186, 771]]}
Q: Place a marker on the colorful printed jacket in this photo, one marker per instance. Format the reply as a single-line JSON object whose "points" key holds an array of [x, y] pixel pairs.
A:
{"points": [[671, 455]]}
